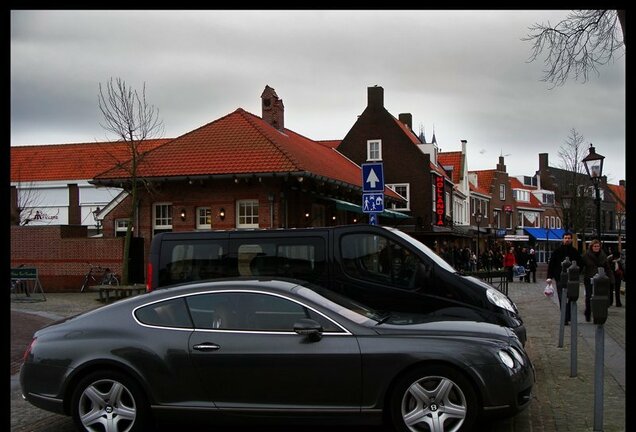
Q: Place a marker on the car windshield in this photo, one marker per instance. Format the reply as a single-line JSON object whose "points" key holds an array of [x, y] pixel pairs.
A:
{"points": [[359, 312], [425, 249], [344, 306]]}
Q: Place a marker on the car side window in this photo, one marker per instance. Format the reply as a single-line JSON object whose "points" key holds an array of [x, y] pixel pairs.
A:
{"points": [[251, 312], [375, 258], [170, 313]]}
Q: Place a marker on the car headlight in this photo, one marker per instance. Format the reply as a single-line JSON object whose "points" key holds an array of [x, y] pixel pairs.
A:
{"points": [[499, 299], [517, 355], [506, 358]]}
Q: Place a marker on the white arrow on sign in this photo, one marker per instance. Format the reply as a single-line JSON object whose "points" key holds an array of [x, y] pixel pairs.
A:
{"points": [[372, 179]]}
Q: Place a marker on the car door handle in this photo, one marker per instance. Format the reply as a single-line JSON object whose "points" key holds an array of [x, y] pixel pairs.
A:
{"points": [[206, 346]]}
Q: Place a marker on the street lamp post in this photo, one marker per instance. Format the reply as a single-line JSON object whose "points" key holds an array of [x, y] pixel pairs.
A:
{"points": [[566, 202], [594, 166], [478, 221]]}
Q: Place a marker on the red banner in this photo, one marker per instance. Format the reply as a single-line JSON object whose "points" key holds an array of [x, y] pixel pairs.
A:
{"points": [[440, 205]]}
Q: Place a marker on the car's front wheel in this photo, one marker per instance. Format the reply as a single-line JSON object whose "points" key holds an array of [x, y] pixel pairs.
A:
{"points": [[109, 401], [433, 399]]}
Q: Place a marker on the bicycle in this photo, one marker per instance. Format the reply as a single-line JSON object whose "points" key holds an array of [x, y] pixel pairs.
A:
{"points": [[108, 277]]}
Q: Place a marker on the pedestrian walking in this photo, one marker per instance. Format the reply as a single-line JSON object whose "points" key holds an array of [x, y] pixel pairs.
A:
{"points": [[522, 260], [531, 267], [565, 250], [509, 263]]}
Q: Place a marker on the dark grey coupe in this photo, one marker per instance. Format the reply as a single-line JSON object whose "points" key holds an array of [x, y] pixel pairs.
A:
{"points": [[264, 349]]}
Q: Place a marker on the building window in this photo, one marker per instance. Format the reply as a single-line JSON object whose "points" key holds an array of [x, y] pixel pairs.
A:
{"points": [[448, 210], [404, 190], [161, 218], [558, 222], [121, 225], [247, 214], [548, 198], [546, 222], [552, 222], [502, 192], [374, 150], [204, 218], [521, 195]]}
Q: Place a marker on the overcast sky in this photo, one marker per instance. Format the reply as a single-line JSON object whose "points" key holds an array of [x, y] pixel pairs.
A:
{"points": [[464, 74]]}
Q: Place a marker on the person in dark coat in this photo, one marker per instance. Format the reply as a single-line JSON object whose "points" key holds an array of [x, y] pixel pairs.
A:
{"points": [[554, 267], [532, 267], [522, 260], [594, 258]]}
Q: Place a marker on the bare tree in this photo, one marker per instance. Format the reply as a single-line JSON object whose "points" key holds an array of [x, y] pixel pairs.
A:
{"points": [[577, 45], [570, 185], [129, 117]]}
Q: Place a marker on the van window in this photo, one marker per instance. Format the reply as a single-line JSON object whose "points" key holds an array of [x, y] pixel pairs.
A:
{"points": [[293, 258], [184, 261], [377, 259]]}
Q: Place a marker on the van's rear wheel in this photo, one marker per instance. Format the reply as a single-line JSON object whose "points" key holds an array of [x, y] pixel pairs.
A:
{"points": [[433, 399]]}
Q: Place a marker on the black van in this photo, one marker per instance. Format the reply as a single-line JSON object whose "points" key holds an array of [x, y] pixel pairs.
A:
{"points": [[379, 266]]}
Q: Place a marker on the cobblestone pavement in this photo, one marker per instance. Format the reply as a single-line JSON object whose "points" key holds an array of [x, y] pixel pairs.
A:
{"points": [[560, 402]]}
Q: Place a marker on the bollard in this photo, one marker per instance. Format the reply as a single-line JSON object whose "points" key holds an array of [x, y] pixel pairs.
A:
{"points": [[599, 304], [562, 287], [573, 295]]}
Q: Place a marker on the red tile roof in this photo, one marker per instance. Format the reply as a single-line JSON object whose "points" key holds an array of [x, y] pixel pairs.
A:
{"points": [[478, 189], [484, 180], [534, 202], [619, 192], [242, 143], [330, 143], [81, 161], [453, 159]]}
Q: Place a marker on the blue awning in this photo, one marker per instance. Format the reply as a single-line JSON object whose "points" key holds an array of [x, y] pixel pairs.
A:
{"points": [[553, 234]]}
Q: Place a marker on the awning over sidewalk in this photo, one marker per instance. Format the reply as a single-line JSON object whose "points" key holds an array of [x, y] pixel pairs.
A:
{"points": [[553, 234]]}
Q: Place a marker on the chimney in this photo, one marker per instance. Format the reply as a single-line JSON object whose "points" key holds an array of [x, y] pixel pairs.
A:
{"points": [[375, 97], [74, 211], [621, 183], [464, 146], [272, 108], [543, 161], [407, 119], [500, 166]]}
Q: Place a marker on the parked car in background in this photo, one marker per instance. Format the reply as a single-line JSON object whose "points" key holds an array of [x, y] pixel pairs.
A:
{"points": [[382, 267], [278, 349]]}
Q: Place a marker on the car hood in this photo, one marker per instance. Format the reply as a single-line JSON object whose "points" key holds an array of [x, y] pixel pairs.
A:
{"points": [[449, 329]]}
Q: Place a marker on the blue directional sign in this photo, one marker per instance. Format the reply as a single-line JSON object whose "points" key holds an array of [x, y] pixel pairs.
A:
{"points": [[372, 202], [372, 177]]}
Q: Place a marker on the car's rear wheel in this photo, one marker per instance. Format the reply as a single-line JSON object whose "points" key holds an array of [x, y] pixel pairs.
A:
{"points": [[109, 402], [433, 399]]}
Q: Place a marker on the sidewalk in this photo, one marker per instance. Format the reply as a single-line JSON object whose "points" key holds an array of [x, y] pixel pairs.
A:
{"points": [[560, 402]]}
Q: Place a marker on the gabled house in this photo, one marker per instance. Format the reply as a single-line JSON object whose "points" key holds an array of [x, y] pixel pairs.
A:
{"points": [[243, 171], [410, 168], [455, 166]]}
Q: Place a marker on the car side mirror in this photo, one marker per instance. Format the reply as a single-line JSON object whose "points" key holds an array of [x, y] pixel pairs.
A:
{"points": [[309, 328]]}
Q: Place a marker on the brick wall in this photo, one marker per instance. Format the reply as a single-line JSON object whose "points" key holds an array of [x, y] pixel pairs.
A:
{"points": [[61, 253]]}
